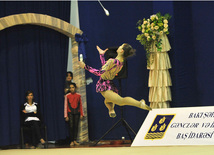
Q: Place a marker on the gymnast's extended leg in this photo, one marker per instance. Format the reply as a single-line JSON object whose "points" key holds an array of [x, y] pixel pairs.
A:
{"points": [[110, 107], [113, 97]]}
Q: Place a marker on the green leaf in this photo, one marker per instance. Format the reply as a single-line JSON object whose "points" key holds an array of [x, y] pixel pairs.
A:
{"points": [[158, 14], [139, 22], [160, 24], [167, 16], [139, 28], [139, 37]]}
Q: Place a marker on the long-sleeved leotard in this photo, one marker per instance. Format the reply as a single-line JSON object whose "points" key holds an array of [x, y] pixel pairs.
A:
{"points": [[96, 71], [107, 73], [109, 69]]}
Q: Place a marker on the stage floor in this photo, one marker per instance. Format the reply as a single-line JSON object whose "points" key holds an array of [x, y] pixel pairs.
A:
{"points": [[113, 148]]}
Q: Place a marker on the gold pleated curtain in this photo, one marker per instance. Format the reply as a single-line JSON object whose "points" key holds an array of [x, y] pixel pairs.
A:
{"points": [[159, 77]]}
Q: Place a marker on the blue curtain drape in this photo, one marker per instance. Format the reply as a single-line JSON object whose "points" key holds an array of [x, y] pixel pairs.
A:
{"points": [[32, 58], [82, 40], [191, 31]]}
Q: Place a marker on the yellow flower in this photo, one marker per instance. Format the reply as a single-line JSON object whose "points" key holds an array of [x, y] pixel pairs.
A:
{"points": [[156, 27], [165, 30], [152, 28], [148, 38], [165, 25], [144, 22], [153, 17], [148, 25], [161, 32], [153, 37], [143, 30], [146, 34], [165, 21], [143, 25], [152, 24]]}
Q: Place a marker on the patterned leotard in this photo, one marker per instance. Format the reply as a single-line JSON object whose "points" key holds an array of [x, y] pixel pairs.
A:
{"points": [[107, 73]]}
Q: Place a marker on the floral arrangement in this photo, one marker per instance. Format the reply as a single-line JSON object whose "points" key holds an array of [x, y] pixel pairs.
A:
{"points": [[151, 29]]}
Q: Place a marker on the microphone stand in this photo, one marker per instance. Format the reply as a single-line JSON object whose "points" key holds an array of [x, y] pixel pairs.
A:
{"points": [[122, 120]]}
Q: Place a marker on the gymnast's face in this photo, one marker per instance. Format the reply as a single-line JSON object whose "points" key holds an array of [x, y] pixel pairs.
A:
{"points": [[120, 49], [72, 89]]}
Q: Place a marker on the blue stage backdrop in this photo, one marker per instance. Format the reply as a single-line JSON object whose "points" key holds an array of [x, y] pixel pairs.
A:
{"points": [[32, 57], [191, 31]]}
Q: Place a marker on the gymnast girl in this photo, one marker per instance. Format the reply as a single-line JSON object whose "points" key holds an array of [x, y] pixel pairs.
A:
{"points": [[109, 70]]}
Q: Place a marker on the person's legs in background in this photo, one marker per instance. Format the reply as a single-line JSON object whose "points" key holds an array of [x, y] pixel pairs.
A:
{"points": [[71, 128], [76, 125]]}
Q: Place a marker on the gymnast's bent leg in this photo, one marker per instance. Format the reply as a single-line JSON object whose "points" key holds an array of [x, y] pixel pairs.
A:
{"points": [[121, 101], [110, 107]]}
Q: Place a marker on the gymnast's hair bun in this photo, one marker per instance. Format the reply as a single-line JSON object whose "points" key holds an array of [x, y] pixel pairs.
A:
{"points": [[128, 50]]}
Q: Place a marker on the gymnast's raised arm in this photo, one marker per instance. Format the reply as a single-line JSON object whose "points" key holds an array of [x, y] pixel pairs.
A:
{"points": [[93, 70]]}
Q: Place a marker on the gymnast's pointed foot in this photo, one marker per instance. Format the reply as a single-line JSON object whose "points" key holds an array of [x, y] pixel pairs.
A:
{"points": [[112, 114], [144, 106]]}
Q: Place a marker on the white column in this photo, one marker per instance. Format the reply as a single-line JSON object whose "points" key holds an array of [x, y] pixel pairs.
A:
{"points": [[74, 20]]}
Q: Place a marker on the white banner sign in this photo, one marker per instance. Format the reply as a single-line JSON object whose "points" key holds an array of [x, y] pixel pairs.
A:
{"points": [[177, 126]]}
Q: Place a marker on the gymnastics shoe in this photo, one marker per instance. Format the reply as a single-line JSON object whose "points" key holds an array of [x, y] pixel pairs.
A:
{"points": [[144, 106], [112, 114]]}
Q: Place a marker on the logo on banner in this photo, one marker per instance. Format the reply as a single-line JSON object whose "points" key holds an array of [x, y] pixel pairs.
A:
{"points": [[159, 127]]}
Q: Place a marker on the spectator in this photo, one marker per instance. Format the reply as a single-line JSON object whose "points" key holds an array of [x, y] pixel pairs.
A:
{"points": [[31, 116], [73, 112], [68, 81]]}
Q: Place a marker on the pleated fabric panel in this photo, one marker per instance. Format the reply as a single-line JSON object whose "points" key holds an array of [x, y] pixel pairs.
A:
{"points": [[160, 105], [160, 60], [165, 44], [160, 94], [159, 77]]}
